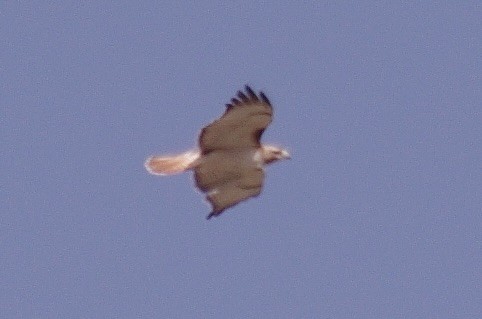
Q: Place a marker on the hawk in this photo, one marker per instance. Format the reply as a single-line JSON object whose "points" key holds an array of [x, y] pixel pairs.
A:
{"points": [[228, 165]]}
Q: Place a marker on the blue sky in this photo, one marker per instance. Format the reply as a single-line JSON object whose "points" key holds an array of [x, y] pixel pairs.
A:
{"points": [[378, 214]]}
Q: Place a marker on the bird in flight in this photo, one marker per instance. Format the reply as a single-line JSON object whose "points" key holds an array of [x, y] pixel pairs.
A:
{"points": [[228, 164]]}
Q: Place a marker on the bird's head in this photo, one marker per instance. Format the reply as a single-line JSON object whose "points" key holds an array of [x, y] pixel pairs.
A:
{"points": [[273, 153]]}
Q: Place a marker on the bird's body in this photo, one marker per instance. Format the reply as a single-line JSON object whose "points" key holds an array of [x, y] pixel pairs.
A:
{"points": [[228, 166]]}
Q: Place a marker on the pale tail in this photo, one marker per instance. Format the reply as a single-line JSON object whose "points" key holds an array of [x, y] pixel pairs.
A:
{"points": [[169, 165]]}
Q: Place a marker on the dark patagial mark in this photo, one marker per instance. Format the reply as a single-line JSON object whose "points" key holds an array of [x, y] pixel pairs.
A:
{"points": [[257, 135]]}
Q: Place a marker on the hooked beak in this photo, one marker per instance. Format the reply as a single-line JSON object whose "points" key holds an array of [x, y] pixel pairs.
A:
{"points": [[285, 154]]}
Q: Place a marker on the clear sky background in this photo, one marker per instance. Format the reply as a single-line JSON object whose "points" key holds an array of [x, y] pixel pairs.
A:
{"points": [[378, 214]]}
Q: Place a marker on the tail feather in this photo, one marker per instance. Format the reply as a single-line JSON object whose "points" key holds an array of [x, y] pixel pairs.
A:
{"points": [[169, 165]]}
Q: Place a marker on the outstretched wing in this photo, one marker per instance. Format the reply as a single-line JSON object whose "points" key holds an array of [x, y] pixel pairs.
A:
{"points": [[228, 178], [230, 194], [241, 126]]}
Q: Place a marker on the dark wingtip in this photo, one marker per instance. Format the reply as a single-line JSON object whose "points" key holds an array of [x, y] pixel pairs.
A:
{"points": [[264, 98], [208, 217], [251, 93], [243, 96]]}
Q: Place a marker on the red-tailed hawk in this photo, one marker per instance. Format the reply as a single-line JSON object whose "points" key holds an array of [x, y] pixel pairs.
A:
{"points": [[228, 166]]}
